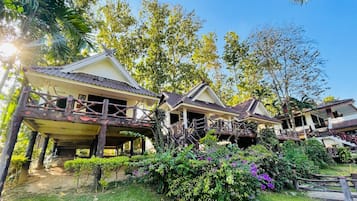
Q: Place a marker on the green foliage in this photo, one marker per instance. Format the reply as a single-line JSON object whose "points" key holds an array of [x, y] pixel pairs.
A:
{"points": [[295, 155], [280, 170], [82, 166], [328, 99], [268, 139], [156, 45], [209, 139], [17, 161], [317, 153], [344, 154], [215, 173]]}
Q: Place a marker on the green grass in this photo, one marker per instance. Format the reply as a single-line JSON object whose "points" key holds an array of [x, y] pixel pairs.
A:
{"points": [[130, 192], [283, 196], [340, 170]]}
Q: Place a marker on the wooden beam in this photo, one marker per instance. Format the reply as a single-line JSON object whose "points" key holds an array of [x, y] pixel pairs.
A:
{"points": [[41, 158], [12, 133]]}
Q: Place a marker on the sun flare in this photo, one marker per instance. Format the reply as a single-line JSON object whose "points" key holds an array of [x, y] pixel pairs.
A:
{"points": [[7, 49]]}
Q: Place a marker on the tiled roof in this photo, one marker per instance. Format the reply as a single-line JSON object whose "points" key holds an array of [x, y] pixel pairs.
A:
{"points": [[174, 99], [91, 79], [246, 110]]}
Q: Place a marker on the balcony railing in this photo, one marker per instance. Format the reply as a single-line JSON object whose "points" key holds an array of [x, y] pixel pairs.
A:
{"points": [[222, 127], [73, 106]]}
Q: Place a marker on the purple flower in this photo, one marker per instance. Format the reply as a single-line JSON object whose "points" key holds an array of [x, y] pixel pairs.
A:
{"points": [[253, 169], [209, 159], [263, 187], [135, 172], [244, 161], [271, 185], [265, 177], [234, 164]]}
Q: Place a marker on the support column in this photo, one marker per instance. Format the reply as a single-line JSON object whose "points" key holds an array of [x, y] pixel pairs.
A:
{"points": [[54, 149], [101, 142], [41, 158], [131, 147], [29, 151], [93, 147], [143, 148], [184, 116], [14, 128], [122, 149]]}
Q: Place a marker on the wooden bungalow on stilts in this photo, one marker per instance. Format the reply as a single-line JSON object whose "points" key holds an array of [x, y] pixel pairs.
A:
{"points": [[93, 103]]}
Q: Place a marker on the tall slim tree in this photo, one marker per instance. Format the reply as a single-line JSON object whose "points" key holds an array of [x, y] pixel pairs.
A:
{"points": [[207, 58], [157, 46], [291, 63]]}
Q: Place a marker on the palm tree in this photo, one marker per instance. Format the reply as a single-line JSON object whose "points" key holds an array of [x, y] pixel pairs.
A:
{"points": [[38, 28]]}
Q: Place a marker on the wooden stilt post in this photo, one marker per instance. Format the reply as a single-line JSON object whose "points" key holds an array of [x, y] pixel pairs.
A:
{"points": [[14, 128], [122, 149], [26, 166], [54, 148], [29, 150], [101, 142], [143, 148], [41, 158], [93, 147], [131, 147]]}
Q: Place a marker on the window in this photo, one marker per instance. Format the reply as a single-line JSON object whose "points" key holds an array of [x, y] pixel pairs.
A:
{"points": [[300, 121], [174, 118], [61, 103], [318, 121], [285, 124]]}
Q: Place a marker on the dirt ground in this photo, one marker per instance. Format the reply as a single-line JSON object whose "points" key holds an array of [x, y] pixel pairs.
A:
{"points": [[53, 180]]}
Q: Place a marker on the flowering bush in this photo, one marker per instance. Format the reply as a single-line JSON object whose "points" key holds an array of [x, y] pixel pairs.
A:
{"points": [[215, 173]]}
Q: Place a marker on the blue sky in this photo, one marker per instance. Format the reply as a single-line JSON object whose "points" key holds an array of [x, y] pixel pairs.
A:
{"points": [[331, 24]]}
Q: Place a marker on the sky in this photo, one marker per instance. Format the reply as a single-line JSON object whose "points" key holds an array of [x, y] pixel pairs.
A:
{"points": [[331, 24]]}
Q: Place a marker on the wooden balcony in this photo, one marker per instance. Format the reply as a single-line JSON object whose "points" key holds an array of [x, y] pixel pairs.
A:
{"points": [[44, 113], [288, 135], [198, 127]]}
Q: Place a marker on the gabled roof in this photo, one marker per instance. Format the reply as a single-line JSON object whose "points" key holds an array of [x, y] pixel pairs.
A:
{"points": [[333, 103], [247, 110], [174, 100], [107, 55], [91, 79]]}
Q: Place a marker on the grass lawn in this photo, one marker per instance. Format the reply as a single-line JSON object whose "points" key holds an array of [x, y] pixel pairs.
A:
{"points": [[130, 192], [283, 196], [340, 170], [136, 192]]}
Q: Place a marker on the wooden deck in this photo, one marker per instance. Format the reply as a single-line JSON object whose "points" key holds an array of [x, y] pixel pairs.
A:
{"points": [[79, 121]]}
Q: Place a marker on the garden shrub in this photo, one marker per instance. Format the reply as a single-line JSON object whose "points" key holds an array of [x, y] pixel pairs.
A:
{"points": [[215, 173], [277, 167], [82, 166], [317, 153], [268, 139], [295, 155], [344, 154], [16, 163]]}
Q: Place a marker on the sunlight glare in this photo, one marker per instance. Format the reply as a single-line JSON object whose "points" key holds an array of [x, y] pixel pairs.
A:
{"points": [[7, 49]]}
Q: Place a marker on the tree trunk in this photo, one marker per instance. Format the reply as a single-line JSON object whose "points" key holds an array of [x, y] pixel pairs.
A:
{"points": [[12, 133]]}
